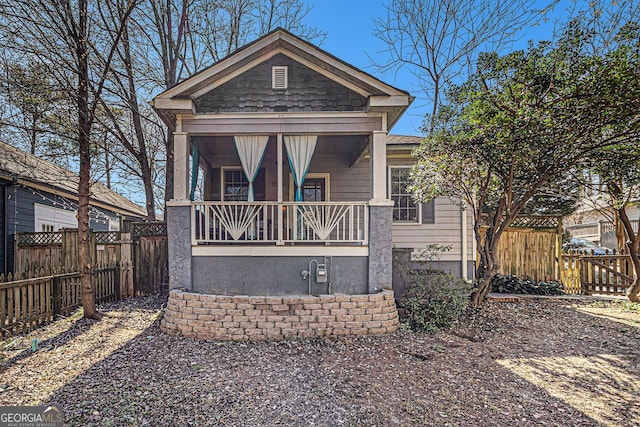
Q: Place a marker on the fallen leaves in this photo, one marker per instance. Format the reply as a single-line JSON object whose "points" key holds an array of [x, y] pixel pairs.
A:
{"points": [[533, 362]]}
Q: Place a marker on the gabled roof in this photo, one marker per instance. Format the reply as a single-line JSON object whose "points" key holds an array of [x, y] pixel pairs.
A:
{"points": [[381, 96], [30, 170]]}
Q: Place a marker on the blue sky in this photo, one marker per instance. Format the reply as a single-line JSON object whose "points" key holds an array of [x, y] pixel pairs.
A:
{"points": [[349, 26]]}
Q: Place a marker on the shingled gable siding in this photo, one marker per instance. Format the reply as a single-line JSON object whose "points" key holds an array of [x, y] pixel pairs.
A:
{"points": [[307, 91]]}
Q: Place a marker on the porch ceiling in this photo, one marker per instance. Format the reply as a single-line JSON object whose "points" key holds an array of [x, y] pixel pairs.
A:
{"points": [[328, 145]]}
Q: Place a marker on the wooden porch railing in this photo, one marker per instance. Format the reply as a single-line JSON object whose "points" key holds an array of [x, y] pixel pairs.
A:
{"points": [[280, 223]]}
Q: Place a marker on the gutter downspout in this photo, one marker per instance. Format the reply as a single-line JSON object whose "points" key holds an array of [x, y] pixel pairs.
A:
{"points": [[465, 243]]}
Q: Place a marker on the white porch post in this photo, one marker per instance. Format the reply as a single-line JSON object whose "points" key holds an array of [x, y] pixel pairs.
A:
{"points": [[378, 165], [181, 150], [280, 197]]}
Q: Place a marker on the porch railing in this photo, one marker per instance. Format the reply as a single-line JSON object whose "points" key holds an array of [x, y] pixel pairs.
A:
{"points": [[343, 223]]}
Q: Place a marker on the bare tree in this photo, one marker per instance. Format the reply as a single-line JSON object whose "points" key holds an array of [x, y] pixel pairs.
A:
{"points": [[189, 35], [439, 40], [56, 33]]}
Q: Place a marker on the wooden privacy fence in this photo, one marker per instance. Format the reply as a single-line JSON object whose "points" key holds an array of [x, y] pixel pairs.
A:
{"points": [[32, 302], [151, 255], [142, 255], [596, 274], [531, 247]]}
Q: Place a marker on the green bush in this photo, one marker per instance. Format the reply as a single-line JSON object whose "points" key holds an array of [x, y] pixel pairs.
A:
{"points": [[508, 284], [434, 300]]}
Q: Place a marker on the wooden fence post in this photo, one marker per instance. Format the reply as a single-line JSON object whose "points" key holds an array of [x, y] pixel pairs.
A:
{"points": [[583, 278], [559, 268], [126, 263], [57, 296], [116, 283]]}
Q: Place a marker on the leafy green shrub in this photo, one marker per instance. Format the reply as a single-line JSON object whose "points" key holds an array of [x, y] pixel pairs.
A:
{"points": [[434, 300], [508, 284]]}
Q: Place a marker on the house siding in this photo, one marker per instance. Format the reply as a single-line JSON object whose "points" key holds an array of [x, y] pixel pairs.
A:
{"points": [[446, 230], [307, 91]]}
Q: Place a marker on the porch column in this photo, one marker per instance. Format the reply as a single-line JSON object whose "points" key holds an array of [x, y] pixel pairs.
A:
{"points": [[280, 195], [179, 217], [181, 150], [380, 217], [379, 165]]}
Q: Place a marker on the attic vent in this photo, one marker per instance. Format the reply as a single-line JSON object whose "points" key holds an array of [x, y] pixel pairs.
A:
{"points": [[279, 77]]}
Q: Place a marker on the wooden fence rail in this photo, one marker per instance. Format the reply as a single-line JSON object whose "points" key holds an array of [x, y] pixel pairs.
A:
{"points": [[28, 303]]}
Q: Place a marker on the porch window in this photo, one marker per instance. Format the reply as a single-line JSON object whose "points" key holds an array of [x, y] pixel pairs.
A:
{"points": [[405, 208], [235, 185], [313, 190]]}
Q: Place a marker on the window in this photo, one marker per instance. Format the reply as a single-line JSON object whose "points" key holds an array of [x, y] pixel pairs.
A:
{"points": [[235, 185], [48, 218], [279, 78], [405, 209], [316, 187], [313, 190]]}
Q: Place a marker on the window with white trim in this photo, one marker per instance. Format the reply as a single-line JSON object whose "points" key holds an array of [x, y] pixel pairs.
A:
{"points": [[235, 185], [48, 218], [279, 77], [405, 208]]}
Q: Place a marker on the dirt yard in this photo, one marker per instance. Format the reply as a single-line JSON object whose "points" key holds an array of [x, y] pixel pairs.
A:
{"points": [[529, 363]]}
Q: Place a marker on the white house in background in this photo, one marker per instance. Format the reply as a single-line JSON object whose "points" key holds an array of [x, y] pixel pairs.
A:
{"points": [[37, 195], [594, 221]]}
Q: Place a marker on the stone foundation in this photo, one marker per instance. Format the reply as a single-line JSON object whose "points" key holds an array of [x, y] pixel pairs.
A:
{"points": [[245, 318]]}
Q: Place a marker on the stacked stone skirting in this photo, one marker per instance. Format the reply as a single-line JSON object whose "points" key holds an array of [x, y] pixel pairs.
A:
{"points": [[244, 318]]}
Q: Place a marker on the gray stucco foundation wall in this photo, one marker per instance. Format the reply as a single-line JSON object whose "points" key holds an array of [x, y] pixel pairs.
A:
{"points": [[179, 235], [402, 265], [273, 276], [380, 246]]}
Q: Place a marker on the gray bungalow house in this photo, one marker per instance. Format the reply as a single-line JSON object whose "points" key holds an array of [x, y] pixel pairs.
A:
{"points": [[37, 195], [282, 191]]}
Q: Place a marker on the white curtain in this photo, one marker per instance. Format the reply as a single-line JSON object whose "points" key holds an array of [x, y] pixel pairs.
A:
{"points": [[300, 150], [251, 150]]}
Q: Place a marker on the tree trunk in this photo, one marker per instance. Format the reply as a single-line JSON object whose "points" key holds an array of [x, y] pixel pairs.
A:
{"points": [[633, 291], [84, 128], [618, 227], [487, 267]]}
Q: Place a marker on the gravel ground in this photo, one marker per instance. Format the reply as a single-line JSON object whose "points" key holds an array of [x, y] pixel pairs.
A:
{"points": [[530, 363]]}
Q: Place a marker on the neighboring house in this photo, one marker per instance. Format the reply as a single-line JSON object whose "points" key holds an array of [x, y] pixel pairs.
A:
{"points": [[289, 147], [37, 195], [594, 221]]}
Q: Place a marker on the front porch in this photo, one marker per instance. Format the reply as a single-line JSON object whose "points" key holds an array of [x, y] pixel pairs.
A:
{"points": [[308, 234]]}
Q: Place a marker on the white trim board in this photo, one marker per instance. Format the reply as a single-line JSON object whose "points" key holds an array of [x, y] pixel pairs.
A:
{"points": [[288, 251]]}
